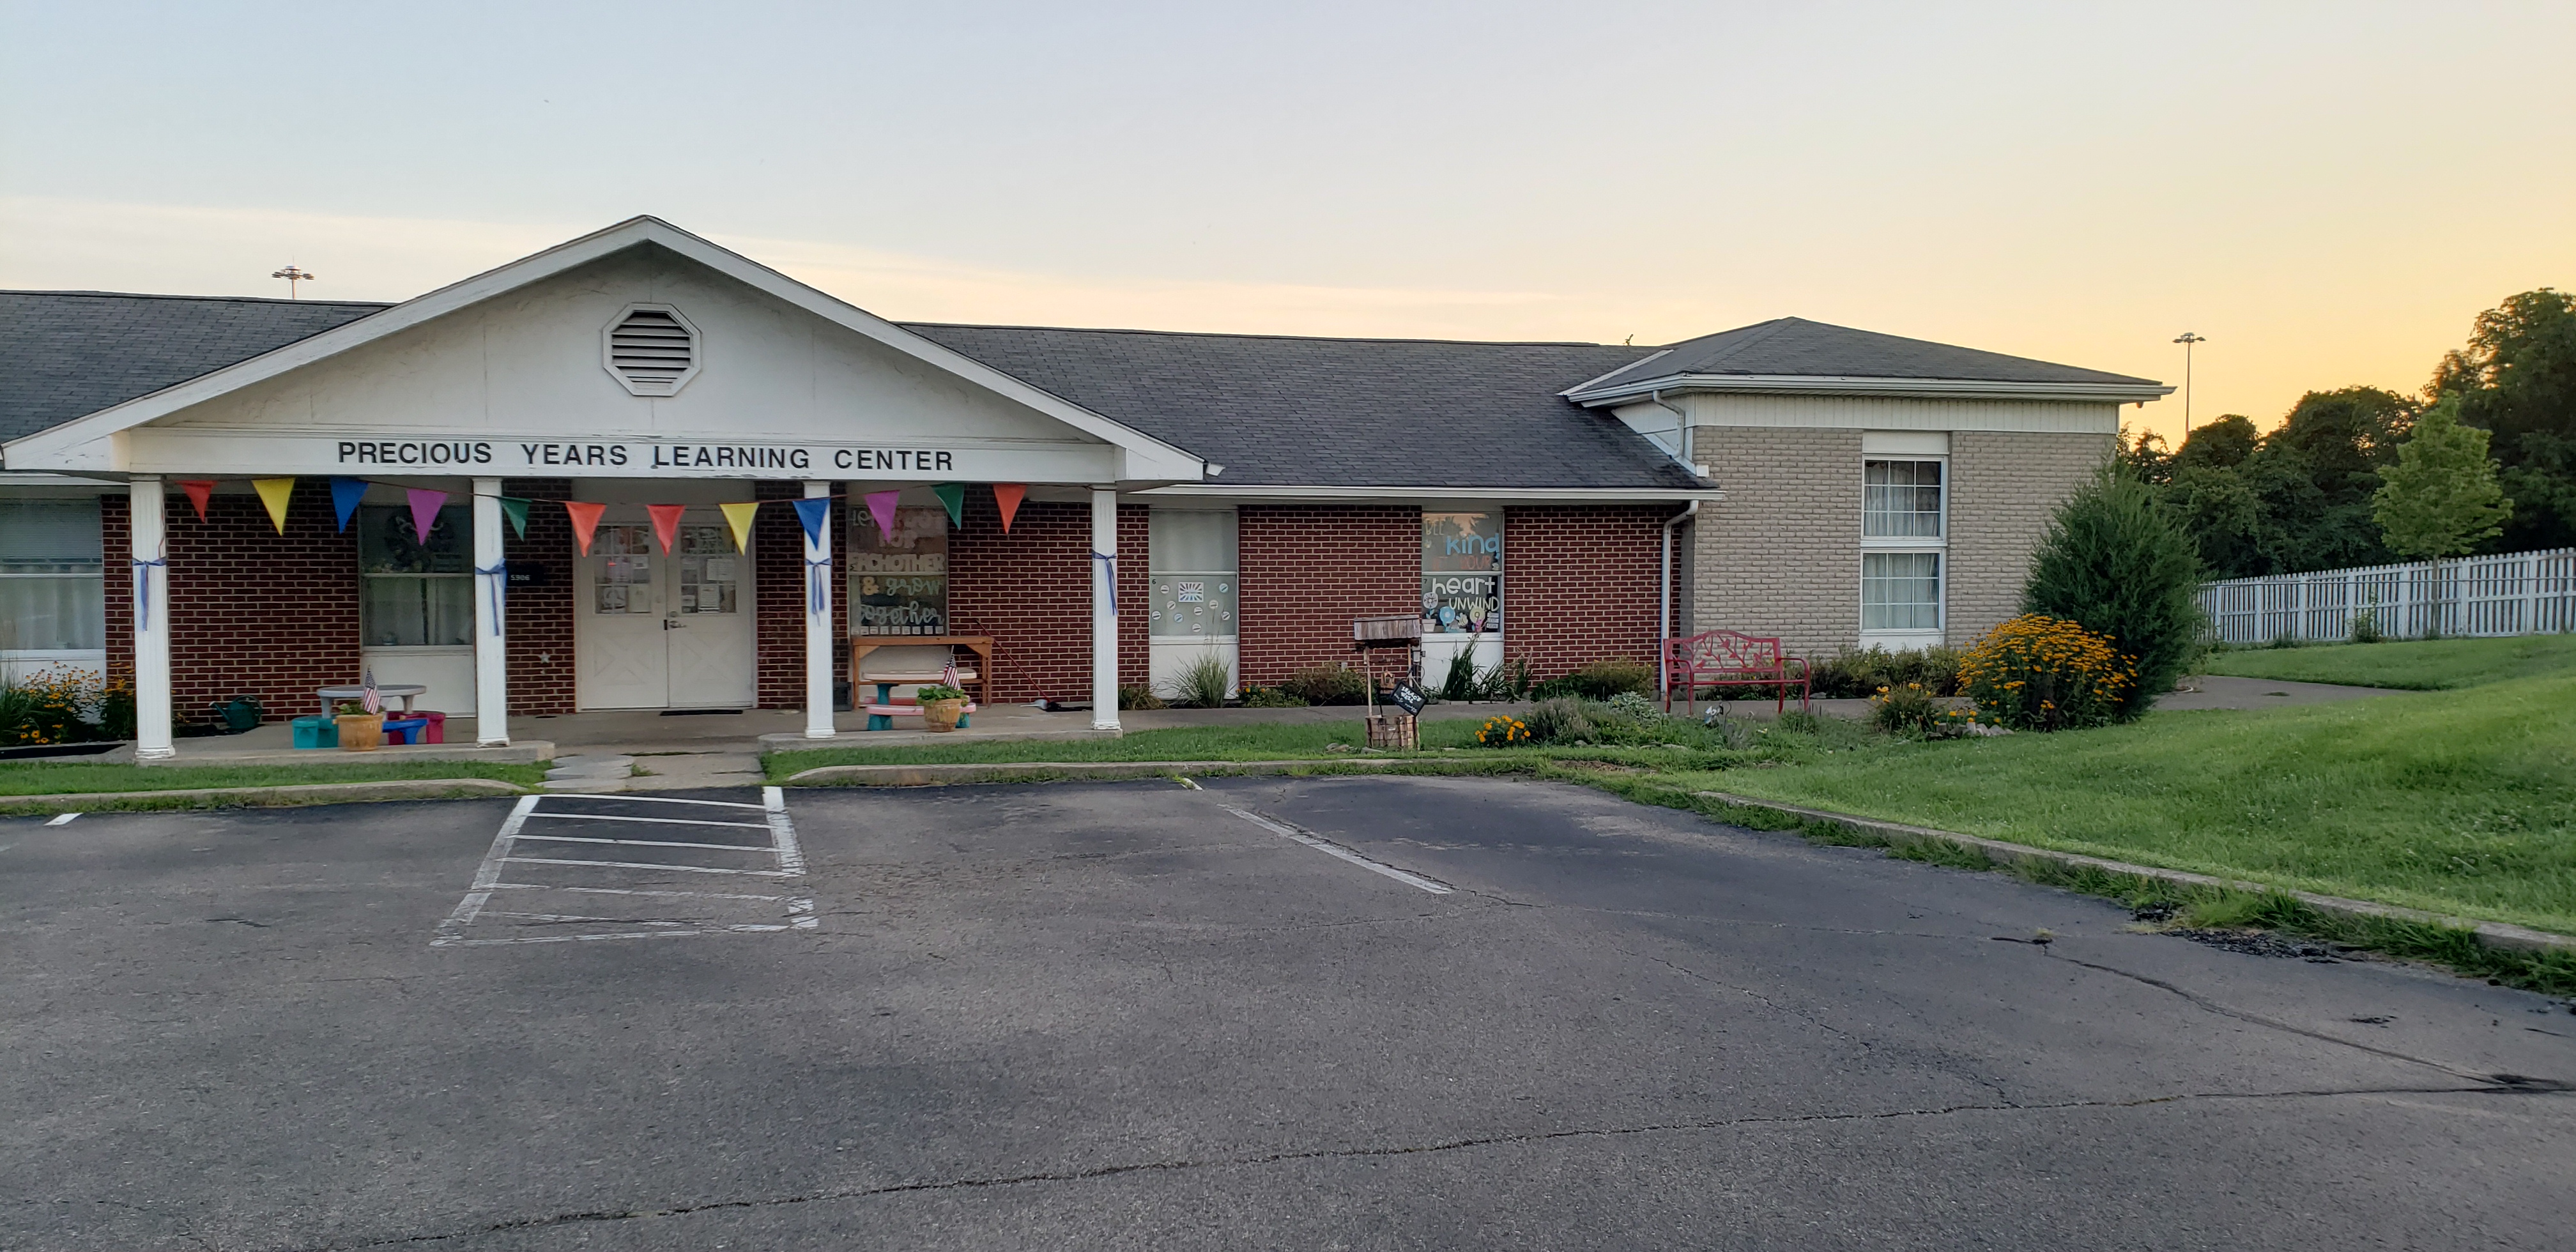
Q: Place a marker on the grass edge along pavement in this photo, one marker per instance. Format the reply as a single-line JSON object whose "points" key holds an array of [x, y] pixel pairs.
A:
{"points": [[2404, 665], [51, 787]]}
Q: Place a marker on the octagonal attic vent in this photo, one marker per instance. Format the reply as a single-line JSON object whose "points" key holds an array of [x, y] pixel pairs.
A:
{"points": [[650, 349]]}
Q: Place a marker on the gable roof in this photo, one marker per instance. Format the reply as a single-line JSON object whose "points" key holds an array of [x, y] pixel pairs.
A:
{"points": [[1792, 353], [72, 353], [1278, 410]]}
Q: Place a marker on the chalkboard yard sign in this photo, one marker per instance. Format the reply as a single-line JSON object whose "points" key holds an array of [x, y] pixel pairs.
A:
{"points": [[1408, 699]]}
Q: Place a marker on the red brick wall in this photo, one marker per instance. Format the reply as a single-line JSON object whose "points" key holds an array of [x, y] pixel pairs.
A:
{"points": [[1031, 591], [1308, 570], [1579, 583], [778, 557], [539, 619], [252, 612]]}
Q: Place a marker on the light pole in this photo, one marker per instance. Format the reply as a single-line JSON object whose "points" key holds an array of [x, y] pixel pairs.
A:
{"points": [[2186, 341], [293, 276]]}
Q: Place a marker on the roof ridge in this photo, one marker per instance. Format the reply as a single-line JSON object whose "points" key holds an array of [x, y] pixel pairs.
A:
{"points": [[1231, 334], [156, 295]]}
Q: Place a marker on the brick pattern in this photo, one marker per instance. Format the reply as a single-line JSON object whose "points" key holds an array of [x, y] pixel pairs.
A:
{"points": [[539, 627], [1031, 590], [2003, 489], [1579, 584], [1309, 569], [779, 589], [1781, 554]]}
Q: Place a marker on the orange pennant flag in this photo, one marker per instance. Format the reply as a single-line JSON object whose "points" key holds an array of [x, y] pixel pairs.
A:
{"points": [[585, 519], [274, 492], [739, 515], [1008, 497], [666, 523], [198, 489]]}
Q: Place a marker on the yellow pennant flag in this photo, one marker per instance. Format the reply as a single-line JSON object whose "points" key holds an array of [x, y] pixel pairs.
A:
{"points": [[273, 493], [739, 517]]}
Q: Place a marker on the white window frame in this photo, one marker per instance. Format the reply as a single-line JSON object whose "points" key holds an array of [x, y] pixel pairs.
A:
{"points": [[21, 662], [1939, 545]]}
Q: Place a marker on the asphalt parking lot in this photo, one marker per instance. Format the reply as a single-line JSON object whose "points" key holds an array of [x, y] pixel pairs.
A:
{"points": [[1323, 1013]]}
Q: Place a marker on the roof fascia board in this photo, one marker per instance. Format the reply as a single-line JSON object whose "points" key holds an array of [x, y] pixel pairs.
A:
{"points": [[1508, 495], [1648, 359], [1147, 452], [1843, 385]]}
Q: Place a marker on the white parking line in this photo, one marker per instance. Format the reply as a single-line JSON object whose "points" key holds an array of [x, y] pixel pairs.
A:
{"points": [[62, 819], [782, 847], [1329, 848]]}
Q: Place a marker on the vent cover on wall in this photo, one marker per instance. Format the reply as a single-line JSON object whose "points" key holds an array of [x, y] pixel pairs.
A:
{"points": [[650, 349]]}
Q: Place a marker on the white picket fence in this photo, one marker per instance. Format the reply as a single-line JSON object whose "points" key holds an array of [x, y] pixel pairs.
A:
{"points": [[2516, 593]]}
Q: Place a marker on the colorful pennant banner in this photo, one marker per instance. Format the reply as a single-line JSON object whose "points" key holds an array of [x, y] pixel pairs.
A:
{"points": [[516, 510], [814, 514], [739, 515], [345, 495], [198, 489], [666, 524], [425, 505], [1007, 497], [585, 519], [881, 507], [274, 493], [952, 495]]}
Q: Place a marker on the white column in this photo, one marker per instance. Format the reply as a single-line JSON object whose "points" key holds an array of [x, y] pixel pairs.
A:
{"points": [[818, 625], [151, 585], [1104, 609], [491, 640]]}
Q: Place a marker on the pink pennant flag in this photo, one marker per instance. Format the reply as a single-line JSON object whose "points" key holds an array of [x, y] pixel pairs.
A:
{"points": [[425, 505], [666, 523], [1007, 497], [585, 520], [881, 507]]}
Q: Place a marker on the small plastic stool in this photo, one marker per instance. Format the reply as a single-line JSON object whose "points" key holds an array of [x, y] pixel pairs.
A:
{"points": [[437, 731], [405, 730], [316, 732]]}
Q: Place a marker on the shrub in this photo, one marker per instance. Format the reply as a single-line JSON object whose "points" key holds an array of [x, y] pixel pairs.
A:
{"points": [[1560, 719], [1599, 680], [1327, 684], [1460, 682], [1857, 673], [934, 691], [1132, 696], [1510, 680], [1912, 711], [57, 706], [1635, 709], [1270, 698], [2365, 626], [1206, 684], [2117, 566], [1503, 730], [2038, 672]]}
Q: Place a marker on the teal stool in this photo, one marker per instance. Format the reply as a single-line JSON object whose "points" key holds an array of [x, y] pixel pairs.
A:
{"points": [[316, 732]]}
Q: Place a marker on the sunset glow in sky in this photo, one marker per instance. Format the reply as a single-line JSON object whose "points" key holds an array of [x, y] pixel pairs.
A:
{"points": [[2328, 192]]}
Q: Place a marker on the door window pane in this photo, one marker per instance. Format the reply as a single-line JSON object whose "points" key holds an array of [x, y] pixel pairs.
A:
{"points": [[1900, 591], [50, 593], [1462, 573], [1196, 591], [622, 559], [1901, 499], [899, 583], [417, 592], [710, 571]]}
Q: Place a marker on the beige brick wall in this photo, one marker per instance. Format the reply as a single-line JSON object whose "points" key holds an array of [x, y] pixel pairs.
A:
{"points": [[2003, 488], [1781, 554]]}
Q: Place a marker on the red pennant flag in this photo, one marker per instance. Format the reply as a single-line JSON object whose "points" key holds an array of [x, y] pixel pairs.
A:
{"points": [[585, 519], [666, 523], [198, 489], [1008, 497]]}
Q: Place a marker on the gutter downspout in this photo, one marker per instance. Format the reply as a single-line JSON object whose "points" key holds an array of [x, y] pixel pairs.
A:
{"points": [[1664, 604]]}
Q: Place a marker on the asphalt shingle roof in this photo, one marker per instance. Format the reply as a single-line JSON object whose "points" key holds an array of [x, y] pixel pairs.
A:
{"points": [[1796, 346], [66, 354], [1277, 410]]}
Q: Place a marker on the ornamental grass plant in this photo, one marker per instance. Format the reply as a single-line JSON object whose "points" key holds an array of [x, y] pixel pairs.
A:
{"points": [[2038, 672]]}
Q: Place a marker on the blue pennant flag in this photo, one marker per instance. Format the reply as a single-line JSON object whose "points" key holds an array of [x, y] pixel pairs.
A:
{"points": [[345, 494], [815, 513]]}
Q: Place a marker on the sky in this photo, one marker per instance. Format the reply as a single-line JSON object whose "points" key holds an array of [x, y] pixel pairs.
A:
{"points": [[2330, 193]]}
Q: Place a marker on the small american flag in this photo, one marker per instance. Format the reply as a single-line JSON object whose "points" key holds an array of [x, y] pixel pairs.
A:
{"points": [[369, 698], [948, 676]]}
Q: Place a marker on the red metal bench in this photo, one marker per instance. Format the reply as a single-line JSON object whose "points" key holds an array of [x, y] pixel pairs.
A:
{"points": [[1727, 658]]}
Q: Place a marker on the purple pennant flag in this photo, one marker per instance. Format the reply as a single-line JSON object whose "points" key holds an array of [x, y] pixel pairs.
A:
{"points": [[881, 507], [425, 504], [814, 514]]}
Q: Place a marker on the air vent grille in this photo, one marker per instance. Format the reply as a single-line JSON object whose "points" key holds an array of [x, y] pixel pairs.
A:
{"points": [[652, 350]]}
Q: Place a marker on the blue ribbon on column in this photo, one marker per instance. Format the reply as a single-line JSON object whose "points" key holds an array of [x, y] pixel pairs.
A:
{"points": [[1109, 570], [143, 590], [500, 576], [818, 586]]}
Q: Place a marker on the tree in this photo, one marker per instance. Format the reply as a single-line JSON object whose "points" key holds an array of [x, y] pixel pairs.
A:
{"points": [[2517, 379], [2221, 443], [2115, 564], [2441, 497]]}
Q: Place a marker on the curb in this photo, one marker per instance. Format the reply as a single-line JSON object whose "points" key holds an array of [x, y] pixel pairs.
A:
{"points": [[225, 797], [1060, 771], [2491, 934]]}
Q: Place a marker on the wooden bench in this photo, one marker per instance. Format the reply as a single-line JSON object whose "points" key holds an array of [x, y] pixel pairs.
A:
{"points": [[1728, 658]]}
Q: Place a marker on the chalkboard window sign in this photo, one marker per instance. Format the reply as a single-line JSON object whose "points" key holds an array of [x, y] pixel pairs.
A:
{"points": [[1462, 573], [1407, 699]]}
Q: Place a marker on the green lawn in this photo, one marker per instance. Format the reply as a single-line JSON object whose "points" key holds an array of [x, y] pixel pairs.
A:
{"points": [[38, 778], [2414, 665], [2462, 802]]}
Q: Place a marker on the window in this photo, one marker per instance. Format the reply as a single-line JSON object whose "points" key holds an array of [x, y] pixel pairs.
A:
{"points": [[1462, 573], [899, 583], [1196, 593], [1900, 591], [51, 599], [418, 592], [1901, 500]]}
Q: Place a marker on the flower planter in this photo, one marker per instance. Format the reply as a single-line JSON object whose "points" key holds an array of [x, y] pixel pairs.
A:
{"points": [[941, 715], [360, 732]]}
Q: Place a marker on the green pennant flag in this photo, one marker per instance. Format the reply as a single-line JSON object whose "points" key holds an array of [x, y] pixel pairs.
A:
{"points": [[516, 510], [954, 496]]}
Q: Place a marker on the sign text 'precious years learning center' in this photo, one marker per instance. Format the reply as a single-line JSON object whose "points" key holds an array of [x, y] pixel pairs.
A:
{"points": [[642, 457]]}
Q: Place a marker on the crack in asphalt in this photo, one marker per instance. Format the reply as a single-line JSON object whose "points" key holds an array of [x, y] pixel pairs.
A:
{"points": [[1373, 1153]]}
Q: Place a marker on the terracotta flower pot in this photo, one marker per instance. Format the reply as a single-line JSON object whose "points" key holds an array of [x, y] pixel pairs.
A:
{"points": [[361, 732], [941, 715]]}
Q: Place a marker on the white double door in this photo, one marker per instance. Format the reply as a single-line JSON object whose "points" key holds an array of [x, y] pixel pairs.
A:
{"points": [[657, 631]]}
